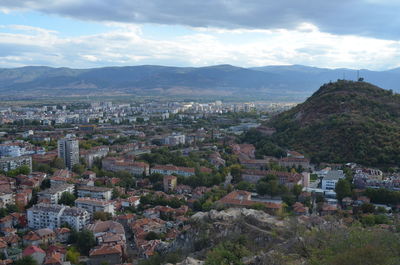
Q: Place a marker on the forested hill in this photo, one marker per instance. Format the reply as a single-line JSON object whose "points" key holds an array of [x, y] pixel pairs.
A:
{"points": [[344, 121]]}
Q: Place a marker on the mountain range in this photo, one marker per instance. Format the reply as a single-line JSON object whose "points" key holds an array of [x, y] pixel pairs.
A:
{"points": [[294, 82]]}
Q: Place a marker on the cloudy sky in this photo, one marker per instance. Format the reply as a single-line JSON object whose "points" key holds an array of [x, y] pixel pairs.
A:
{"points": [[93, 33]]}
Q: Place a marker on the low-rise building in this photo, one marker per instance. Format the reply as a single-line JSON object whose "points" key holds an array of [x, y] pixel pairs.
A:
{"points": [[94, 192], [169, 182], [116, 164], [330, 180], [182, 171], [95, 205]]}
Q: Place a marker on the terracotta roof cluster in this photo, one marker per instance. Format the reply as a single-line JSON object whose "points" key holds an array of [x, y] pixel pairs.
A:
{"points": [[105, 250], [32, 250], [299, 208], [111, 237]]}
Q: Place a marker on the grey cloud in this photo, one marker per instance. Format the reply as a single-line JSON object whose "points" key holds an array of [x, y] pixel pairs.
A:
{"points": [[359, 17]]}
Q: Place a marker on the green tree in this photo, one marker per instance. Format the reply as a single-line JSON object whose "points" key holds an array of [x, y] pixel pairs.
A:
{"points": [[342, 189], [227, 253], [368, 208], [73, 255], [103, 216], [296, 190], [45, 184], [57, 163], [27, 260], [67, 198], [236, 173], [84, 240], [78, 169]]}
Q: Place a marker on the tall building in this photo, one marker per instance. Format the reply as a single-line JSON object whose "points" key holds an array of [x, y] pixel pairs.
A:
{"points": [[68, 150]]}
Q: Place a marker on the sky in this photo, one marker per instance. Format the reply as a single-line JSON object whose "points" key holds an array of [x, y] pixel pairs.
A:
{"points": [[357, 34]]}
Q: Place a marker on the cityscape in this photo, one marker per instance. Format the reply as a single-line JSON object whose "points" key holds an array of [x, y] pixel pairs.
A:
{"points": [[206, 132]]}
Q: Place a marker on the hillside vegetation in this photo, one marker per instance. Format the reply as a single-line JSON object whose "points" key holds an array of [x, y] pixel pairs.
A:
{"points": [[344, 121]]}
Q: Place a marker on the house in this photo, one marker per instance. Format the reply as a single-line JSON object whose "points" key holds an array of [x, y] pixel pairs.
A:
{"points": [[6, 222], [31, 239], [63, 234], [300, 209], [12, 240], [126, 220], [328, 209], [346, 202], [105, 255], [46, 235], [108, 232], [132, 201], [36, 253]]}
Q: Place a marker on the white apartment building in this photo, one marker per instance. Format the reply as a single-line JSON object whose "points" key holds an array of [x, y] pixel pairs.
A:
{"points": [[10, 163], [175, 139], [330, 180], [94, 192], [53, 194], [95, 205], [54, 216]]}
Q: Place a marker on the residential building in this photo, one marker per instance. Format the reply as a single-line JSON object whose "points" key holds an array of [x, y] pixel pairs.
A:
{"points": [[105, 255], [36, 253], [54, 216], [294, 162], [169, 182], [53, 194], [95, 205], [68, 151], [240, 198], [116, 164], [96, 152], [183, 171], [331, 178], [174, 139], [94, 192], [10, 163]]}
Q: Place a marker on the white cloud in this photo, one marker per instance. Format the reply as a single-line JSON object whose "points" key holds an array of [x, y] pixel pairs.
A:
{"points": [[374, 18], [126, 44]]}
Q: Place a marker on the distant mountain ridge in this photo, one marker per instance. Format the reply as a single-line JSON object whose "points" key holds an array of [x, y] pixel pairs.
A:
{"points": [[296, 81]]}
